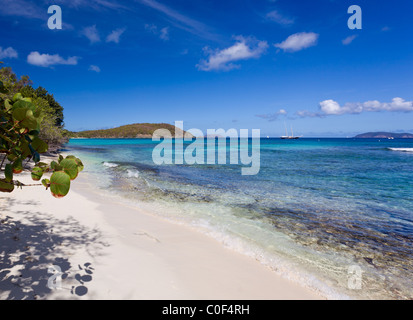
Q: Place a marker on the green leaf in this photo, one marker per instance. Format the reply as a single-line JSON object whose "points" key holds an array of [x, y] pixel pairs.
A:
{"points": [[17, 96], [59, 184], [11, 157], [20, 114], [25, 117], [8, 172], [24, 104], [70, 167], [79, 163], [37, 173], [55, 166], [6, 186], [41, 165], [46, 183], [17, 166], [7, 104], [39, 145]]}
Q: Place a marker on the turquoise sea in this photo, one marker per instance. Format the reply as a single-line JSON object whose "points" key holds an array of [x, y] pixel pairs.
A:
{"points": [[335, 215]]}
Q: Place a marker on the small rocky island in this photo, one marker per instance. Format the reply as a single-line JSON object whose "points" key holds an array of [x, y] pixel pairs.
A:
{"points": [[384, 135]]}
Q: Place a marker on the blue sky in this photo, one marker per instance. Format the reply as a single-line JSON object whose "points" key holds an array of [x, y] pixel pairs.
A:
{"points": [[219, 64]]}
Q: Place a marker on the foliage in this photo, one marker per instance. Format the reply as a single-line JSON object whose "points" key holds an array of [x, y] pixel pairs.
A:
{"points": [[20, 122], [42, 93], [51, 127]]}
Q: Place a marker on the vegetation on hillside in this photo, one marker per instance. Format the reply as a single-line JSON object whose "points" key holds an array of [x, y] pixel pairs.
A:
{"points": [[27, 115], [137, 130], [51, 126], [384, 135]]}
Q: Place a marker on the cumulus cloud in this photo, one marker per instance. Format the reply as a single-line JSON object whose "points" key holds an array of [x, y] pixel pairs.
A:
{"points": [[94, 68], [331, 107], [298, 41], [243, 49], [114, 36], [8, 53], [91, 33], [272, 116], [279, 18], [47, 60], [349, 40]]}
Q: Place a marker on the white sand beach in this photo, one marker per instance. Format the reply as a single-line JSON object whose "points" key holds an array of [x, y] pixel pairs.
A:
{"points": [[108, 250]]}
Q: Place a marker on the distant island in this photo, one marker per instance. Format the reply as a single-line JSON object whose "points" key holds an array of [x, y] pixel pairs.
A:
{"points": [[384, 135], [137, 130]]}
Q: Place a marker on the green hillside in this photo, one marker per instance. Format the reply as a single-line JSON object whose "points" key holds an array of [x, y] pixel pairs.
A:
{"points": [[137, 130]]}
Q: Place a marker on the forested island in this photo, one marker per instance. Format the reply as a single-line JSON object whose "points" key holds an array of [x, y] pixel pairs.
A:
{"points": [[384, 135], [137, 130]]}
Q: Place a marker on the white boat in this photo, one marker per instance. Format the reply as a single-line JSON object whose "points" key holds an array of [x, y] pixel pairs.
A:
{"points": [[292, 137]]}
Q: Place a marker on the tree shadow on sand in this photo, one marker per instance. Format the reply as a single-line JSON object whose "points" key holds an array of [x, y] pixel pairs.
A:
{"points": [[30, 245]]}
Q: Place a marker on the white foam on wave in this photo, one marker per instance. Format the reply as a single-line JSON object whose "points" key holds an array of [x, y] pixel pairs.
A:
{"points": [[402, 149], [110, 165], [133, 173]]}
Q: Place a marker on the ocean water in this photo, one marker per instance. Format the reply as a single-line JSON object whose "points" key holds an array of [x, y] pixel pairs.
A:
{"points": [[335, 215]]}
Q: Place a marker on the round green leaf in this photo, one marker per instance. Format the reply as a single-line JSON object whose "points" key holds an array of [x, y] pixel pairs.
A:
{"points": [[6, 186], [17, 96], [59, 184], [17, 166], [37, 173], [70, 167], [24, 104]]}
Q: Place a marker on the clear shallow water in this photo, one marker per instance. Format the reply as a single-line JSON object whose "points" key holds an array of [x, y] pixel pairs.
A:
{"points": [[318, 207]]}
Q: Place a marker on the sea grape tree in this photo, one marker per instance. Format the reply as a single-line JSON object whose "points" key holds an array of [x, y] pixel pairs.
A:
{"points": [[20, 121]]}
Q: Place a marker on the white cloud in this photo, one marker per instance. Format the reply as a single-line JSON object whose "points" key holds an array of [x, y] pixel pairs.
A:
{"points": [[243, 49], [349, 40], [94, 68], [298, 41], [22, 8], [331, 107], [164, 34], [279, 18], [272, 116], [91, 33], [114, 36], [47, 60], [179, 20], [8, 53]]}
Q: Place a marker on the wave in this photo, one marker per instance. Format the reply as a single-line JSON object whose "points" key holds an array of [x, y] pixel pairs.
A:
{"points": [[110, 165], [133, 173], [401, 149]]}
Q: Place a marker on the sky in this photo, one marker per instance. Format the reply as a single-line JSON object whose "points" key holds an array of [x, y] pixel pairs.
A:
{"points": [[243, 64]]}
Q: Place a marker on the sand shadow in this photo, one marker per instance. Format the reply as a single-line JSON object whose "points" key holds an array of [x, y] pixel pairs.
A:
{"points": [[28, 247]]}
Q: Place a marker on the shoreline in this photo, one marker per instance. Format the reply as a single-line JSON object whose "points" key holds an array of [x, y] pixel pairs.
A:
{"points": [[109, 250]]}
